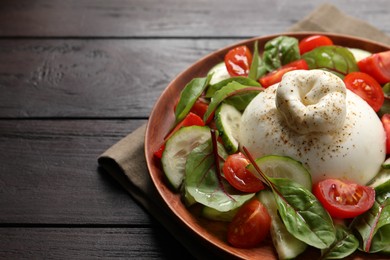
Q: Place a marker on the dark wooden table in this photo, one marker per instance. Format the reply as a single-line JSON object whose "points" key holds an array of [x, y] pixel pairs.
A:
{"points": [[75, 77]]}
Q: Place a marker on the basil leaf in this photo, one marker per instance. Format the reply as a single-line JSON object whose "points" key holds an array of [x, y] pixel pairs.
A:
{"points": [[261, 70], [381, 240], [255, 63], [204, 183], [346, 244], [335, 59], [241, 80], [303, 214], [385, 109], [241, 101], [189, 95], [280, 51], [230, 90], [374, 225], [386, 89]]}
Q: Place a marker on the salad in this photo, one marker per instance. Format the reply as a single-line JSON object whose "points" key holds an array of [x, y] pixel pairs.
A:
{"points": [[290, 143]]}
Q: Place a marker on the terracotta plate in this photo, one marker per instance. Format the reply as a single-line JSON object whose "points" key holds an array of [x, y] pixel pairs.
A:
{"points": [[162, 118]]}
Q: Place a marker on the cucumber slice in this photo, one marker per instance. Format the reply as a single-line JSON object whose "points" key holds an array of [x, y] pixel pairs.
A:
{"points": [[276, 166], [213, 214], [286, 245], [386, 164], [187, 198], [228, 120], [219, 72], [359, 54], [386, 250], [177, 148], [383, 175]]}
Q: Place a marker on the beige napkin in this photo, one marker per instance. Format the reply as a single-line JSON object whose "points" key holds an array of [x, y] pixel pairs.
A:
{"points": [[125, 160]]}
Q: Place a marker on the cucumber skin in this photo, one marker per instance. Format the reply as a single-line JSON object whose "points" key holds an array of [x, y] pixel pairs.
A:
{"points": [[228, 144]]}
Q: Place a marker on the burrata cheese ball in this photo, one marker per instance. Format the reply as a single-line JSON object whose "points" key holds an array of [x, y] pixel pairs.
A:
{"points": [[311, 117]]}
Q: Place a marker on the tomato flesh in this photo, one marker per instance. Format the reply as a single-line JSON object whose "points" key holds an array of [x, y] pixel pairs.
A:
{"points": [[236, 173], [190, 120], [377, 65], [250, 225], [238, 61], [199, 108], [366, 87], [276, 75], [386, 125], [311, 42], [344, 199]]}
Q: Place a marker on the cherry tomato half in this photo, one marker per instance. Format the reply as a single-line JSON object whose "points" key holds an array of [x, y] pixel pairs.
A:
{"points": [[200, 107], [366, 87], [377, 66], [239, 176], [250, 225], [276, 75], [238, 61], [311, 42], [189, 120], [344, 199], [386, 125]]}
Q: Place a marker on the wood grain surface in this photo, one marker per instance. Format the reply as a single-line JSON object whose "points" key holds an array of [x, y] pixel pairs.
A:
{"points": [[76, 76], [169, 18]]}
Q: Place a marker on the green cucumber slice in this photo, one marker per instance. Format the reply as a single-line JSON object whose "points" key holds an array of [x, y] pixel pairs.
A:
{"points": [[286, 245], [383, 175], [228, 120], [359, 54], [386, 164], [213, 214], [219, 72], [177, 148], [276, 166]]}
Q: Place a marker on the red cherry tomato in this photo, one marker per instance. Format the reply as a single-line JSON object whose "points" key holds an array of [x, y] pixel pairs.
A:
{"points": [[199, 108], [344, 199], [276, 75], [189, 120], [250, 225], [239, 176], [309, 43], [238, 61], [377, 66], [366, 87], [386, 125]]}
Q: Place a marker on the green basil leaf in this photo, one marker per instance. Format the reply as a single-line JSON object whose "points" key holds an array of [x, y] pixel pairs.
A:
{"points": [[385, 109], [230, 90], [204, 183], [280, 51], [242, 80], [345, 244], [261, 70], [386, 89], [241, 101], [381, 240], [189, 95], [335, 59], [255, 63], [373, 226], [303, 214]]}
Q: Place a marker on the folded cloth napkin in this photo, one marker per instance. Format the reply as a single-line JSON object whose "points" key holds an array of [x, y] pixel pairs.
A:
{"points": [[125, 160]]}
